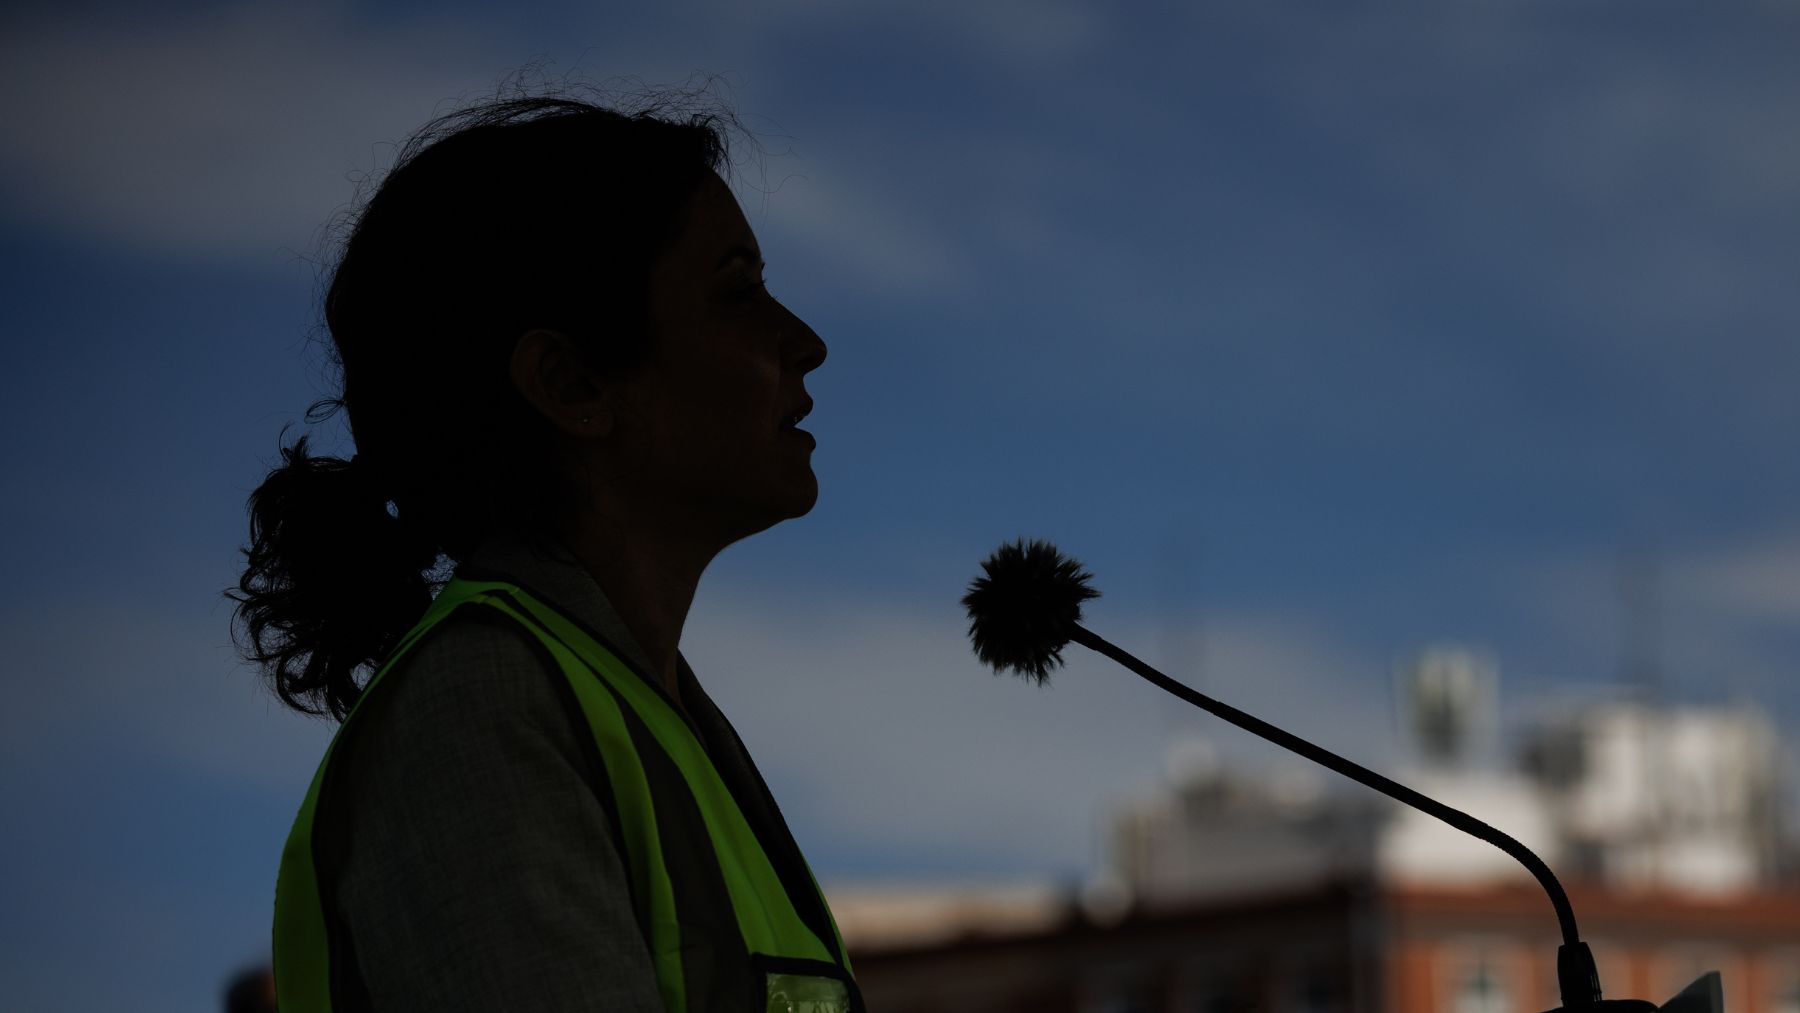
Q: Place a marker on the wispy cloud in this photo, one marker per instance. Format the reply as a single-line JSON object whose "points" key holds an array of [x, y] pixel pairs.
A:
{"points": [[1716, 619], [1022, 34], [236, 134], [1756, 580], [223, 133], [883, 733], [156, 681], [1024, 31], [845, 231], [885, 738], [1633, 180]]}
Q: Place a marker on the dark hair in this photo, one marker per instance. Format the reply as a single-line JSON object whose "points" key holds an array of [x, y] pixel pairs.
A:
{"points": [[511, 215]]}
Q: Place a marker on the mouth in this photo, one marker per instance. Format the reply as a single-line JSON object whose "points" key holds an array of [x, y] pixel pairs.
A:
{"points": [[797, 415]]}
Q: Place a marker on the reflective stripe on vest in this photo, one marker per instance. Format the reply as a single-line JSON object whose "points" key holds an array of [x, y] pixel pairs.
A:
{"points": [[611, 698]]}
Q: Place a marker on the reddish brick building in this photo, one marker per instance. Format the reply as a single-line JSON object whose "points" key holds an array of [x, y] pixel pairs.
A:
{"points": [[1350, 948]]}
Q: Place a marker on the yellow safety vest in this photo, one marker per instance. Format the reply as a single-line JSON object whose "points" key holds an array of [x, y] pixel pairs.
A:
{"points": [[674, 802]]}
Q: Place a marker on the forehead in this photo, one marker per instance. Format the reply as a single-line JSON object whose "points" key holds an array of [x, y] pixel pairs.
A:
{"points": [[712, 223]]}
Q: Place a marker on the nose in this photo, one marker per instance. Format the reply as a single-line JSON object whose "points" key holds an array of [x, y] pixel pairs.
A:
{"points": [[805, 349]]}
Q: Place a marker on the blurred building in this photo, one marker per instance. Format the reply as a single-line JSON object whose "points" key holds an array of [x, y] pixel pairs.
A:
{"points": [[1288, 892], [1683, 799], [1336, 947]]}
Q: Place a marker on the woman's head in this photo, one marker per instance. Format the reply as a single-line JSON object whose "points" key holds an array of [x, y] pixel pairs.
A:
{"points": [[699, 443], [543, 216], [518, 216]]}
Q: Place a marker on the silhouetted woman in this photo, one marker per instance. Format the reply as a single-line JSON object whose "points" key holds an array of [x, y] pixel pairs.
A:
{"points": [[564, 376]]}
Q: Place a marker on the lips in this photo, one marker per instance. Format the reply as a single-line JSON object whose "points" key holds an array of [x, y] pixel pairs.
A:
{"points": [[797, 413]]}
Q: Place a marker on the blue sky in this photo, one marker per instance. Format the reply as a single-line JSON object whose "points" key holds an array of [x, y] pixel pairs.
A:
{"points": [[1318, 335]]}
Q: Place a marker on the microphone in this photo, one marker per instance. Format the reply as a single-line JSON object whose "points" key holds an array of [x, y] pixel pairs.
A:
{"points": [[1026, 607]]}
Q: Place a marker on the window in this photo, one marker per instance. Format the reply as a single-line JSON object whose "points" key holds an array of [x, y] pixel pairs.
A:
{"points": [[1480, 976], [1481, 988]]}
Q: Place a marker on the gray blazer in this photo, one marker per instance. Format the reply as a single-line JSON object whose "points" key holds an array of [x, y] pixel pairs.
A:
{"points": [[463, 843]]}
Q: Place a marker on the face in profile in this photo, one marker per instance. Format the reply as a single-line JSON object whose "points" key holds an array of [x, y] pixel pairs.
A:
{"points": [[713, 408]]}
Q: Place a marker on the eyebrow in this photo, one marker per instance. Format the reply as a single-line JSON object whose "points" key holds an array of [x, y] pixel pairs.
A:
{"points": [[740, 251]]}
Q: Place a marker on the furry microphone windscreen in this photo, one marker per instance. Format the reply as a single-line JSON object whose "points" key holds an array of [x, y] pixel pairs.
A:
{"points": [[1024, 607]]}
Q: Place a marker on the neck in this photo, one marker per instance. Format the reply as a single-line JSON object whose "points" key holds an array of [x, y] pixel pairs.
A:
{"points": [[649, 579]]}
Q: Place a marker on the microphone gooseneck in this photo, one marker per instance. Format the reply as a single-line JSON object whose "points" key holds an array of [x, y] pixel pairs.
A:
{"points": [[1565, 916], [1026, 607]]}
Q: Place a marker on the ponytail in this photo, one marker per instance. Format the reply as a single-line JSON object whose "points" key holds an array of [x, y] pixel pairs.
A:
{"points": [[332, 580]]}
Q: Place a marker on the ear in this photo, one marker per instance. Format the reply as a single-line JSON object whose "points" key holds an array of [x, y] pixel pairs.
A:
{"points": [[550, 375]]}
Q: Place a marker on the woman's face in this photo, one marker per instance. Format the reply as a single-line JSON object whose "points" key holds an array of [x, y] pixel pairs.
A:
{"points": [[711, 411]]}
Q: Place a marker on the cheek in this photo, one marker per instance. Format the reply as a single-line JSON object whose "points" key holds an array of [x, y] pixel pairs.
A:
{"points": [[734, 403], [744, 377], [723, 378]]}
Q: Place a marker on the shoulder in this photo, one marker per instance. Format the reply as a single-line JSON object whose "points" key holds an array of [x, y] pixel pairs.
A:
{"points": [[475, 649], [477, 673], [470, 851], [476, 712]]}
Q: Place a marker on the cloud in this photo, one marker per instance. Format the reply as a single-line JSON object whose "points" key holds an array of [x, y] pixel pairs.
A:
{"points": [[1031, 32], [1630, 183], [844, 229], [1717, 620], [1027, 35], [1748, 582], [883, 736], [236, 134], [1756, 580], [219, 135], [1637, 162], [147, 681]]}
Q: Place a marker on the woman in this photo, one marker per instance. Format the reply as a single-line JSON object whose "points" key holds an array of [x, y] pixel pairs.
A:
{"points": [[565, 376]]}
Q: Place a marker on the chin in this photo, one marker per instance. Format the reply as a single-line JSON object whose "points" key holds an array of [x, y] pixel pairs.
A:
{"points": [[792, 504], [802, 505], [812, 489]]}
